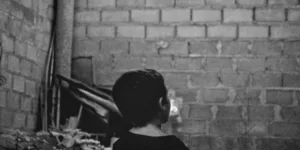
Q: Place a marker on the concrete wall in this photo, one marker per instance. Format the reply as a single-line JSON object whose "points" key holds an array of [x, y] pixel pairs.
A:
{"points": [[24, 35], [235, 63]]}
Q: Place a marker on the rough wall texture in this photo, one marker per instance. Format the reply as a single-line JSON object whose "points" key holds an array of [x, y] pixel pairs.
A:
{"points": [[235, 63], [24, 34]]}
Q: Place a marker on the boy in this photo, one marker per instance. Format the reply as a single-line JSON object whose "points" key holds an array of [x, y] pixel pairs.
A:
{"points": [[141, 97]]}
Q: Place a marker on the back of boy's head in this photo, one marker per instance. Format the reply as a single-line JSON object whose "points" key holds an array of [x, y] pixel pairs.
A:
{"points": [[136, 94]]}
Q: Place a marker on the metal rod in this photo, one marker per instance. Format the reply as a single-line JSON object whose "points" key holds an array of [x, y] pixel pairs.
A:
{"points": [[58, 105], [85, 87]]}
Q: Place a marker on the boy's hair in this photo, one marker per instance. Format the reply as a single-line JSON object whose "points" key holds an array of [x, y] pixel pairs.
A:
{"points": [[136, 94]]}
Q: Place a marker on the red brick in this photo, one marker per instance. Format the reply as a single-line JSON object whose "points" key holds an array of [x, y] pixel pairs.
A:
{"points": [[107, 79], [32, 53], [232, 143], [206, 15], [185, 110], [260, 113], [221, 2], [160, 3], [115, 16], [127, 62], [190, 31], [192, 3], [293, 15], [261, 79], [85, 47], [247, 96], [13, 100], [208, 79], [292, 47], [130, 3], [266, 48], [252, 2], [253, 32], [222, 31], [159, 63], [215, 95], [203, 48], [279, 97], [3, 21], [114, 47], [20, 48], [25, 67], [258, 128], [145, 15], [269, 14], [200, 112], [101, 3], [30, 88], [9, 80], [193, 126], [13, 63], [188, 63], [87, 16], [19, 120], [282, 64], [3, 98], [131, 31], [250, 65], [160, 31], [104, 63], [80, 31], [234, 79], [227, 128], [283, 129], [218, 63], [101, 31], [291, 114], [229, 113], [277, 143], [291, 31], [188, 95], [283, 2], [26, 104], [4, 61], [235, 48], [7, 43], [14, 27], [175, 15], [41, 57], [237, 15], [31, 122], [6, 118], [81, 4], [35, 106], [36, 72], [298, 96], [175, 80], [200, 142], [143, 48], [291, 80], [175, 49], [19, 84]]}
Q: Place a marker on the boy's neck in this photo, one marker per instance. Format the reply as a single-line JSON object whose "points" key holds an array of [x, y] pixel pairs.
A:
{"points": [[149, 130]]}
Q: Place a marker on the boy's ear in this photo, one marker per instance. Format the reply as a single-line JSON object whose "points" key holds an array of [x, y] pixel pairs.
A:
{"points": [[163, 103]]}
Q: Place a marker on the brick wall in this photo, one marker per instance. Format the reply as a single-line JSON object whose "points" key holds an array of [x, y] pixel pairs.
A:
{"points": [[235, 63], [24, 35]]}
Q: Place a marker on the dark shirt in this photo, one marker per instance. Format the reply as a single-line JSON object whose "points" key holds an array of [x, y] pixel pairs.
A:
{"points": [[131, 141]]}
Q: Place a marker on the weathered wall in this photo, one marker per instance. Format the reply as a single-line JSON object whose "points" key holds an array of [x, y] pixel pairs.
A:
{"points": [[234, 62], [24, 34]]}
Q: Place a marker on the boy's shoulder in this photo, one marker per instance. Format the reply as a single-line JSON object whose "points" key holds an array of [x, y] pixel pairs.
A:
{"points": [[162, 142]]}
